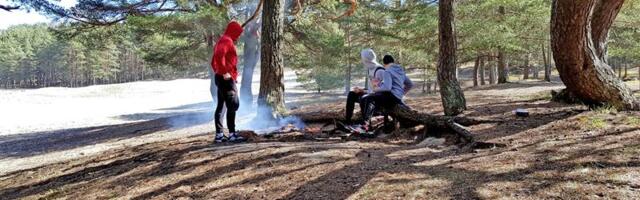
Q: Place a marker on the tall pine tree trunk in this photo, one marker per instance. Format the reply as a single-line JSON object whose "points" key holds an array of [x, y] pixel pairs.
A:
{"points": [[619, 67], [425, 81], [213, 89], [453, 99], [626, 71], [482, 82], [547, 64], [535, 70], [579, 33], [492, 71], [503, 70], [271, 95], [527, 68], [251, 57], [347, 81], [475, 71]]}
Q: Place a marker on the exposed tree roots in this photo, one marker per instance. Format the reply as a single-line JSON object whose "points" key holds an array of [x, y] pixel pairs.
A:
{"points": [[564, 96]]}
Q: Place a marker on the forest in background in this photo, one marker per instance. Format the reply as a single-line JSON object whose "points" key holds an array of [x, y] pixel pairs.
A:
{"points": [[324, 51]]}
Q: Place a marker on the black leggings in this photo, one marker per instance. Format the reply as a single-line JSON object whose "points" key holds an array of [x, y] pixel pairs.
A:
{"points": [[376, 101], [352, 99], [368, 102], [227, 95]]}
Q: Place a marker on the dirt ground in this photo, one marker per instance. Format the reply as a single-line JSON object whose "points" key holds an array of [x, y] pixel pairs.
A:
{"points": [[559, 152]]}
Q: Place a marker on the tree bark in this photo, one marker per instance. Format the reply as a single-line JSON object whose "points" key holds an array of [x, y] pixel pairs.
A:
{"points": [[475, 71], [482, 82], [492, 71], [271, 95], [579, 33], [251, 57], [618, 66], [213, 89], [503, 70], [547, 64], [453, 99], [347, 81], [425, 81], [527, 68]]}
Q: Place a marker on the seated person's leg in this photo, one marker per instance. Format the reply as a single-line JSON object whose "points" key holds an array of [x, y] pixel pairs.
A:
{"points": [[385, 102], [352, 98], [367, 106]]}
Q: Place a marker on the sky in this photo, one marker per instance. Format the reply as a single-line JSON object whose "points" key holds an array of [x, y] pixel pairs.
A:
{"points": [[21, 16]]}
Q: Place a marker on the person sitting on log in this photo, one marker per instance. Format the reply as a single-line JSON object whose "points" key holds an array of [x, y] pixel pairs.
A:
{"points": [[372, 67], [401, 83], [387, 93]]}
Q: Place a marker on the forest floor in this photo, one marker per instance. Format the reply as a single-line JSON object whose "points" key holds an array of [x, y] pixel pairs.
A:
{"points": [[559, 152]]}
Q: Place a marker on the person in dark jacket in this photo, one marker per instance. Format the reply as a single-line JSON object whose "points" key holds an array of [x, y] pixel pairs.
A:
{"points": [[224, 65], [401, 84], [388, 93]]}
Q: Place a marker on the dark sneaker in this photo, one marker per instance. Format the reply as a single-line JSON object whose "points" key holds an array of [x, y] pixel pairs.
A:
{"points": [[236, 138], [365, 131], [220, 138], [359, 129], [368, 134]]}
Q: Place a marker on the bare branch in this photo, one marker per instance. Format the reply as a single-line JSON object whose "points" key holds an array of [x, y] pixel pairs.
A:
{"points": [[255, 14], [9, 8]]}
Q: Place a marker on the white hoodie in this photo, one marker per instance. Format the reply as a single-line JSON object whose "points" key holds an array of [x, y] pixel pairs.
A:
{"points": [[370, 64]]}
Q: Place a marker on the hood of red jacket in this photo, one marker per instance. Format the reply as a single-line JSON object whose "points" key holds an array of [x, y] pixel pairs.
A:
{"points": [[234, 30]]}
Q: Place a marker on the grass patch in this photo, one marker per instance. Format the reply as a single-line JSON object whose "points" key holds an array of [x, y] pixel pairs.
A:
{"points": [[633, 121], [606, 109], [517, 77], [593, 122], [545, 95]]}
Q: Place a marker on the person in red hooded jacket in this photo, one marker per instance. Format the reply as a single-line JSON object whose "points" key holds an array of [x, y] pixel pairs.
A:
{"points": [[224, 64]]}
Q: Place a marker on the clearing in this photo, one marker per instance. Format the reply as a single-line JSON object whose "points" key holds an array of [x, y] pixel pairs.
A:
{"points": [[560, 151]]}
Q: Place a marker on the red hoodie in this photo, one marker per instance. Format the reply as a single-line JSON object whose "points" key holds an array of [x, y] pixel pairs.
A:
{"points": [[225, 58]]}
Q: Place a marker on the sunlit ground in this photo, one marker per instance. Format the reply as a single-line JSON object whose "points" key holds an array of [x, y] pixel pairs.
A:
{"points": [[560, 151]]}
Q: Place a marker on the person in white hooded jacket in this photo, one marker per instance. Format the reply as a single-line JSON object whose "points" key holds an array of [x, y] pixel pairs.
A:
{"points": [[374, 77]]}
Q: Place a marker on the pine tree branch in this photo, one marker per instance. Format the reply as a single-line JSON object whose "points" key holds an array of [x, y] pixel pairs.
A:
{"points": [[9, 8]]}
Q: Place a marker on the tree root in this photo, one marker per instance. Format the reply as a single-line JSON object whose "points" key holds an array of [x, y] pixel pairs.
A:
{"points": [[564, 96]]}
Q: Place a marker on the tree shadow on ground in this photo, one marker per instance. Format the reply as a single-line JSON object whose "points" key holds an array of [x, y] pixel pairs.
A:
{"points": [[202, 110], [459, 169], [465, 183], [541, 113], [149, 162]]}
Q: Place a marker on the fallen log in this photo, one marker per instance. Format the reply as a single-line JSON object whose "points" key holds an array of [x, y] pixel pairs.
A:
{"points": [[406, 114], [408, 118]]}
